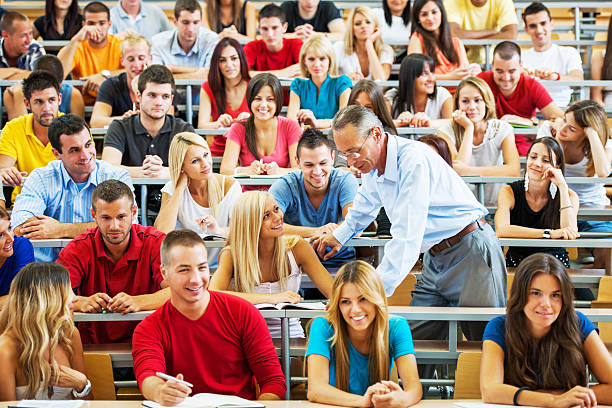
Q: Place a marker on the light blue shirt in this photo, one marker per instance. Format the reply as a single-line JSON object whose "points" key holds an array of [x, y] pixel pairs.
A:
{"points": [[150, 20], [426, 202], [167, 51], [325, 103], [52, 192]]}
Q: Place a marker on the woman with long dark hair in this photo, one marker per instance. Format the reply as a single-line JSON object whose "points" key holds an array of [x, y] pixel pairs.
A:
{"points": [[230, 18], [537, 353], [368, 94], [431, 35], [601, 69], [266, 142], [62, 20], [223, 96], [394, 24], [418, 101]]}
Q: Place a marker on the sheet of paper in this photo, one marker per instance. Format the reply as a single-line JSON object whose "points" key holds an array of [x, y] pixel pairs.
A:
{"points": [[480, 404], [50, 404]]}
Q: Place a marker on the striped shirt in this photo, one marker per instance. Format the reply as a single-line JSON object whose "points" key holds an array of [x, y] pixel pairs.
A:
{"points": [[52, 192]]}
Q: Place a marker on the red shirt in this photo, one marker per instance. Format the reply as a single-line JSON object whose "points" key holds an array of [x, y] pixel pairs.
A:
{"points": [[92, 271], [225, 351], [260, 58], [528, 95]]}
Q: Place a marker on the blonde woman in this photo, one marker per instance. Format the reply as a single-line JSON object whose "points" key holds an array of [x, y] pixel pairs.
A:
{"points": [[315, 100], [262, 265], [40, 349], [195, 197], [363, 54], [481, 144], [352, 350]]}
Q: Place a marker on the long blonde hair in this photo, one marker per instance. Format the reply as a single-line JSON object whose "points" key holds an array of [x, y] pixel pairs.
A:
{"points": [[487, 97], [38, 317], [176, 156], [349, 36], [364, 276], [245, 225], [321, 47]]}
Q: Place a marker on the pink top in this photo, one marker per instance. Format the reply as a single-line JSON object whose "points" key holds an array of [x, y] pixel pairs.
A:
{"points": [[218, 146], [288, 134]]}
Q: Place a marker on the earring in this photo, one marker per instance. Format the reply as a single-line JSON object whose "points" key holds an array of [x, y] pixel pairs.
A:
{"points": [[526, 183], [553, 190]]}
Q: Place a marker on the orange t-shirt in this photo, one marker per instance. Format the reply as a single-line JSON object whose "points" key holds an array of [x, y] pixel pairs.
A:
{"points": [[88, 61], [444, 65]]}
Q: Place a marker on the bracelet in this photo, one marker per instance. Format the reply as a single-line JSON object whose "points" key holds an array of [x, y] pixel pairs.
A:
{"points": [[567, 206], [558, 76], [516, 394]]}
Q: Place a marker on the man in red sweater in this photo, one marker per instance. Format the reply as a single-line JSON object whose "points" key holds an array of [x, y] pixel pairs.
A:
{"points": [[217, 342]]}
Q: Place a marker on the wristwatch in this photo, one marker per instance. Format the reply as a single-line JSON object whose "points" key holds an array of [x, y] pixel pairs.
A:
{"points": [[83, 393], [546, 233], [105, 73]]}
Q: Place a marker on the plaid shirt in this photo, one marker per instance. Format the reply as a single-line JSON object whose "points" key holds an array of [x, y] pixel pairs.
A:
{"points": [[25, 61]]}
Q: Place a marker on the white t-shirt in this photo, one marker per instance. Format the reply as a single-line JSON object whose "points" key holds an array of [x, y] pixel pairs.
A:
{"points": [[350, 63], [555, 59], [189, 210], [397, 32], [433, 108], [487, 153]]}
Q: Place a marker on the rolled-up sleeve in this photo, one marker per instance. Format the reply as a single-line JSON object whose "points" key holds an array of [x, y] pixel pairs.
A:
{"points": [[31, 201]]}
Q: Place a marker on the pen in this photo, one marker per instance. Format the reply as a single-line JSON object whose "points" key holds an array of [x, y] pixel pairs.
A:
{"points": [[171, 378]]}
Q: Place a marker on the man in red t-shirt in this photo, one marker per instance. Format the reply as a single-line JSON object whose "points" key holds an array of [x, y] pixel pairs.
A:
{"points": [[273, 53], [216, 341], [517, 96], [114, 267]]}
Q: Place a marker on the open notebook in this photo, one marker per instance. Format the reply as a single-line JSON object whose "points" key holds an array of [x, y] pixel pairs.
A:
{"points": [[302, 305], [206, 400]]}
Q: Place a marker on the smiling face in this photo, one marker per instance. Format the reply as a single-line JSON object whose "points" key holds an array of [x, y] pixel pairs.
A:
{"points": [[430, 17], [18, 38], [544, 303], [229, 63], [363, 26], [78, 155], [263, 106], [197, 164], [539, 26], [316, 165], [539, 160], [316, 65], [187, 275], [114, 219], [135, 59], [357, 311], [6, 239], [506, 73], [426, 82], [472, 103], [272, 223]]}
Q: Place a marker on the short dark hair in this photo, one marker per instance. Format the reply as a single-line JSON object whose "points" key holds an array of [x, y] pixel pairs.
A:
{"points": [[311, 139], [181, 237], [535, 8], [6, 23], [110, 191], [159, 74], [272, 10], [50, 63], [39, 80], [96, 7], [188, 5], [506, 50], [65, 125]]}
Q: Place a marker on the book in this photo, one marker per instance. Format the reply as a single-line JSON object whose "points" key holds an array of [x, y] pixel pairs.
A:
{"points": [[207, 400], [302, 305]]}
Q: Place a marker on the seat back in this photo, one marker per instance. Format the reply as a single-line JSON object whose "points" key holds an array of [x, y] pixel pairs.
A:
{"points": [[100, 373], [467, 378], [403, 294], [604, 300]]}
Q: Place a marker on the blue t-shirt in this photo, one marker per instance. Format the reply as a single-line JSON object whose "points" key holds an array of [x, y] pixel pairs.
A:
{"points": [[326, 105], [292, 199], [23, 254], [66, 92], [400, 344]]}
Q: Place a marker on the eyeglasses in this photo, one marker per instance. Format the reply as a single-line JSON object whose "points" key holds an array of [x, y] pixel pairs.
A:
{"points": [[354, 155]]}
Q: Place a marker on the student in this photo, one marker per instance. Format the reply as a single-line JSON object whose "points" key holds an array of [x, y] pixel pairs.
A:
{"points": [[116, 97], [418, 101], [481, 19], [15, 253], [114, 267], [362, 54], [138, 17], [546, 60], [195, 197], [306, 18], [539, 206], [61, 21], [273, 53], [231, 19], [601, 69], [316, 198], [38, 324], [266, 143], [368, 94], [584, 135], [92, 54], [394, 24], [223, 96], [537, 353], [140, 143], [439, 145], [431, 35], [262, 265], [315, 100], [481, 144], [517, 96], [352, 350], [215, 341], [18, 51]]}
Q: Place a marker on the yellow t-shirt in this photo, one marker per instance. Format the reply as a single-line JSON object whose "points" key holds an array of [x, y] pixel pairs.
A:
{"points": [[18, 141], [89, 61], [495, 14]]}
